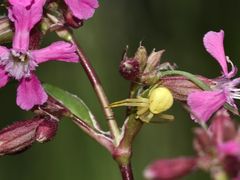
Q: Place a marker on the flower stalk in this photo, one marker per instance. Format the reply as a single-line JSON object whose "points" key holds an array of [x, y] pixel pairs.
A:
{"points": [[99, 91]]}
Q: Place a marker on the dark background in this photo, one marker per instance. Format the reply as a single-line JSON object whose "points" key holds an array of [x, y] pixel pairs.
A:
{"points": [[174, 25]]}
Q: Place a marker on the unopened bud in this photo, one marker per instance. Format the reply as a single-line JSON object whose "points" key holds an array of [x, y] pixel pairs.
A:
{"points": [[181, 87], [202, 143], [53, 107], [18, 136], [232, 166], [222, 127], [46, 130], [169, 169], [129, 68], [71, 20], [141, 56], [5, 30]]}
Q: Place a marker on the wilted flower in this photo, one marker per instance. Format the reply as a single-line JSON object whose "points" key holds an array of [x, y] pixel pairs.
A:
{"points": [[204, 103], [82, 9], [20, 62], [129, 68]]}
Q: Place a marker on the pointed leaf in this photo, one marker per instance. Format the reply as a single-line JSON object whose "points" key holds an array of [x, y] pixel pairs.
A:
{"points": [[72, 102]]}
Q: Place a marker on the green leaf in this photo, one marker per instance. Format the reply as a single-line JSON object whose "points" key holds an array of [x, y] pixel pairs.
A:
{"points": [[70, 101]]}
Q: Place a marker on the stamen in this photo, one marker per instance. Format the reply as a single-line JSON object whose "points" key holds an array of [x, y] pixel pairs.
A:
{"points": [[18, 64], [230, 62]]}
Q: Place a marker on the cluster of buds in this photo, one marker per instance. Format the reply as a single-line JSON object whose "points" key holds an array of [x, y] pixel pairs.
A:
{"points": [[142, 67], [218, 152], [22, 134], [147, 70]]}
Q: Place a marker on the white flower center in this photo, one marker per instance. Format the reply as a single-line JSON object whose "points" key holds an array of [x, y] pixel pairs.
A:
{"points": [[18, 65]]}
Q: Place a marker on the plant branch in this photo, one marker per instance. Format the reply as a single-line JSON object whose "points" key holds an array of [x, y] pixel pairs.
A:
{"points": [[66, 34], [126, 172], [99, 91], [122, 154], [100, 138]]}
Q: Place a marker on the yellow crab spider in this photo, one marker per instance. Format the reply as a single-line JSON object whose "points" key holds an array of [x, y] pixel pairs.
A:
{"points": [[159, 100]]}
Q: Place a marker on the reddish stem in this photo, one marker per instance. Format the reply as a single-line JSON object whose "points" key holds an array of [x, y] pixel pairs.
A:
{"points": [[99, 91], [126, 172]]}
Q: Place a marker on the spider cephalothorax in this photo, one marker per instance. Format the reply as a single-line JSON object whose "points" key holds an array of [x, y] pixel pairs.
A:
{"points": [[158, 100]]}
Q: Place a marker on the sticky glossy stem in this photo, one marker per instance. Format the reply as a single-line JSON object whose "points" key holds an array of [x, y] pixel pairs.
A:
{"points": [[92, 76]]}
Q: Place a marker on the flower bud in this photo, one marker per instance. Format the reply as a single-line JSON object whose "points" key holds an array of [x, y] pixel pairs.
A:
{"points": [[46, 130], [181, 87], [5, 30], [169, 169], [53, 107], [129, 68], [232, 166], [222, 127], [72, 20], [202, 143], [18, 136]]}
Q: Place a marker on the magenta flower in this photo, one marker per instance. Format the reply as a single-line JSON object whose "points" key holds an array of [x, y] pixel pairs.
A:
{"points": [[19, 62], [204, 103], [170, 169], [82, 9]]}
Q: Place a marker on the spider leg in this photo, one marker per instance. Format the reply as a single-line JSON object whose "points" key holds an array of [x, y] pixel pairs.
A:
{"points": [[146, 117], [142, 110], [167, 117], [131, 102]]}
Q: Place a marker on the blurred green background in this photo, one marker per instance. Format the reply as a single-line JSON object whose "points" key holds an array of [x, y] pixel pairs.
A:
{"points": [[174, 25]]}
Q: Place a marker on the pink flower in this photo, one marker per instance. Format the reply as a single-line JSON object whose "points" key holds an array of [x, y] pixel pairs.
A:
{"points": [[82, 9], [19, 62], [169, 169], [204, 103]]}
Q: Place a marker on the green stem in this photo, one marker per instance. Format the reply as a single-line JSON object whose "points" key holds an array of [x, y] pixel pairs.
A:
{"points": [[190, 76], [67, 35]]}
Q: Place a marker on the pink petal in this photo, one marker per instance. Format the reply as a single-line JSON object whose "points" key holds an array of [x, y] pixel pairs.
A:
{"points": [[3, 51], [25, 14], [4, 78], [169, 169], [204, 103], [222, 127], [61, 51], [30, 93], [213, 42], [82, 9], [230, 148], [24, 3]]}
